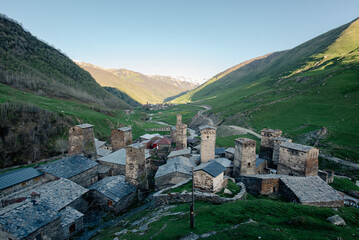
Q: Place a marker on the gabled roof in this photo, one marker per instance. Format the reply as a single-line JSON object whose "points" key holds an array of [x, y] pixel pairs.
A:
{"points": [[99, 143], [183, 160], [150, 136], [179, 152], [173, 167], [230, 150], [118, 157], [212, 168], [163, 141], [69, 215], [22, 219], [69, 167], [114, 187], [12, 178], [102, 152], [223, 161], [219, 151], [259, 161], [296, 146], [57, 194]]}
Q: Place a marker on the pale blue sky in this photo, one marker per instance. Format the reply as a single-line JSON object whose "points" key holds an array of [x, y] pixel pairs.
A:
{"points": [[195, 38]]}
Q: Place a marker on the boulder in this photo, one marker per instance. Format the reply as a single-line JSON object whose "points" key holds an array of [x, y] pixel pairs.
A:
{"points": [[336, 220]]}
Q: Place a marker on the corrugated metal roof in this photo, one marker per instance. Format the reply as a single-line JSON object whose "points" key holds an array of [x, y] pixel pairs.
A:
{"points": [[68, 167], [212, 168], [18, 176]]}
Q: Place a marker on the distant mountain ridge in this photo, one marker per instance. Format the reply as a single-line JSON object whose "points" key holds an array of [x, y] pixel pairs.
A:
{"points": [[138, 86]]}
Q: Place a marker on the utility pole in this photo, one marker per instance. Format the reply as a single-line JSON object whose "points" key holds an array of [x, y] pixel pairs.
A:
{"points": [[191, 213]]}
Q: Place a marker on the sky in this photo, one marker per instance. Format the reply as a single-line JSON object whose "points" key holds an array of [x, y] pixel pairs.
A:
{"points": [[191, 38]]}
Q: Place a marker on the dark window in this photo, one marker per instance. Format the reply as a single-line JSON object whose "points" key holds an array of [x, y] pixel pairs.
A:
{"points": [[249, 164], [72, 228], [207, 136]]}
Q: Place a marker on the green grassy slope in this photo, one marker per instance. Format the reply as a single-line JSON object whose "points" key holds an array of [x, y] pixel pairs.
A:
{"points": [[140, 87], [28, 63], [300, 90]]}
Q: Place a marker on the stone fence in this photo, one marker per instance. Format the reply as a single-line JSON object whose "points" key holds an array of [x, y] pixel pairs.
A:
{"points": [[162, 198]]}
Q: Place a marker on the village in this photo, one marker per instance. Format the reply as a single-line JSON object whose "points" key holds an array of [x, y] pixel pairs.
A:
{"points": [[53, 200]]}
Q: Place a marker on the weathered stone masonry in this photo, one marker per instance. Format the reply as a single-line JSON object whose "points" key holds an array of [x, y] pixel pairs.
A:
{"points": [[208, 143], [121, 138], [267, 143], [82, 140], [136, 172], [244, 157]]}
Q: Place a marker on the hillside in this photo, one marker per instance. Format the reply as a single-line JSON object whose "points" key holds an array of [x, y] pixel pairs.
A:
{"points": [[299, 90], [30, 64], [140, 87]]}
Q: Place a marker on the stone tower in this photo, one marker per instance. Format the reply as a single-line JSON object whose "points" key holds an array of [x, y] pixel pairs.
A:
{"points": [[277, 142], [208, 143], [82, 140], [181, 133], [121, 137], [136, 171], [267, 143], [244, 157]]}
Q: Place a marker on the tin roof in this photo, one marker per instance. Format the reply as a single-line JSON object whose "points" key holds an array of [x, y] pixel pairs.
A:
{"points": [[69, 167], [213, 168], [12, 178], [114, 187]]}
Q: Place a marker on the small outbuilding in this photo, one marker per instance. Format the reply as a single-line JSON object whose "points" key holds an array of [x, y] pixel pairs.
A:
{"points": [[208, 176], [225, 163], [162, 144]]}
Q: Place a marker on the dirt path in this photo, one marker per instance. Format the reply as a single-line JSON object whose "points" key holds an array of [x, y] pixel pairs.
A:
{"points": [[341, 161]]}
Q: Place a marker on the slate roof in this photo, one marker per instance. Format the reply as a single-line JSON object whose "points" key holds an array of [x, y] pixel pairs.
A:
{"points": [[22, 219], [103, 168], [223, 161], [85, 125], [230, 150], [117, 157], [114, 187], [173, 167], [180, 159], [69, 167], [69, 215], [103, 152], [311, 189], [99, 143], [136, 145], [207, 127], [282, 139], [259, 161], [219, 151], [125, 129], [150, 136], [179, 152], [12, 178], [57, 194], [212, 168], [296, 146]]}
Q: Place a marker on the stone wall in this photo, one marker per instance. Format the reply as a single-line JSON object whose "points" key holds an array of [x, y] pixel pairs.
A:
{"points": [[181, 136], [244, 157], [81, 204], [105, 203], [179, 119], [53, 230], [86, 178], [82, 140], [277, 142], [298, 163], [170, 180], [208, 144], [267, 143], [120, 138], [203, 180], [162, 198], [116, 169], [136, 170], [79, 226]]}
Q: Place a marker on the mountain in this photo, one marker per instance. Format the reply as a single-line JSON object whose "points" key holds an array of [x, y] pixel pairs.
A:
{"points": [[30, 64], [300, 91], [140, 87]]}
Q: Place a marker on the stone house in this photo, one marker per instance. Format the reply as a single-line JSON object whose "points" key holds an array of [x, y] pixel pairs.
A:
{"points": [[208, 177], [276, 146], [101, 148], [229, 153], [267, 143], [244, 162], [183, 152], [116, 161], [113, 193], [162, 144], [136, 169], [174, 171], [82, 140], [261, 166], [208, 143], [121, 137], [225, 163], [27, 220], [261, 184], [298, 160], [19, 179], [78, 169]]}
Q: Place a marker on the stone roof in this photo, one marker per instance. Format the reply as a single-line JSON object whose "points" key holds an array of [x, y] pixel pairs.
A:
{"points": [[230, 150], [311, 189], [103, 168], [69, 215], [179, 152], [114, 187], [264, 176], [207, 127], [136, 145], [186, 161], [119, 156], [173, 167], [219, 151], [150, 136], [282, 139], [99, 143], [22, 219], [124, 129], [296, 146], [12, 178], [223, 161], [69, 167], [213, 168], [58, 194], [259, 161], [85, 125], [103, 152]]}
